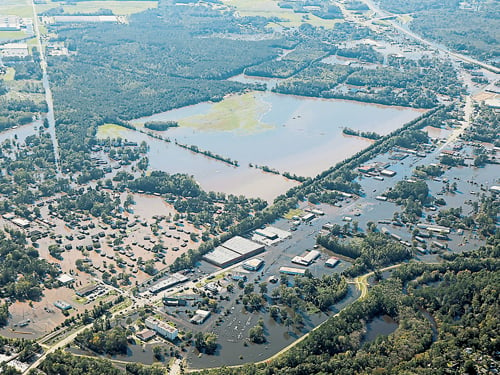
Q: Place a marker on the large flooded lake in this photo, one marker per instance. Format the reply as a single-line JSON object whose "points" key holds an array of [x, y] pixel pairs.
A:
{"points": [[299, 135]]}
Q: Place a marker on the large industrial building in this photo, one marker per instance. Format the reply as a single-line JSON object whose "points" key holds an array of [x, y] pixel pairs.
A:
{"points": [[170, 281], [233, 251], [307, 259]]}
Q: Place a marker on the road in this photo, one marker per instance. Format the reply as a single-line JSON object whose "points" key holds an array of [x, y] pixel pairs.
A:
{"points": [[379, 13], [48, 92]]}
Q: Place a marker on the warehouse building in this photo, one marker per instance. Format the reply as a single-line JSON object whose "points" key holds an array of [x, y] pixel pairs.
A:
{"points": [[233, 251], [307, 259], [332, 262], [172, 280], [292, 271]]}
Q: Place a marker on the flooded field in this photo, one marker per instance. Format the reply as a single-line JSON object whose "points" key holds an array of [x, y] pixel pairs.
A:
{"points": [[299, 135], [19, 134]]}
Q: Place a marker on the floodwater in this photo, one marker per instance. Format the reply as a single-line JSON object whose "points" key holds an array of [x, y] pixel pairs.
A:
{"points": [[379, 326], [234, 347], [20, 133], [299, 135]]}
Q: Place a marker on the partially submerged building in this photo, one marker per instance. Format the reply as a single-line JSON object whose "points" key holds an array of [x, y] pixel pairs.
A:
{"points": [[233, 251]]}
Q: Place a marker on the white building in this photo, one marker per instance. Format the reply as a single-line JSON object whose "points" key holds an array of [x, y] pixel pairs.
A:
{"points": [[200, 316], [14, 50], [162, 328]]}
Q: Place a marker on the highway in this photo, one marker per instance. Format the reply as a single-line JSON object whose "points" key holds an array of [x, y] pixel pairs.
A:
{"points": [[379, 13], [48, 92]]}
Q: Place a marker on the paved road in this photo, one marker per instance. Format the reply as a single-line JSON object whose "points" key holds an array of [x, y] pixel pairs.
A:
{"points": [[378, 13], [48, 92]]}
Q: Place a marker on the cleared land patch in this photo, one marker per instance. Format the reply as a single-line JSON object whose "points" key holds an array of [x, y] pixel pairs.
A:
{"points": [[236, 112]]}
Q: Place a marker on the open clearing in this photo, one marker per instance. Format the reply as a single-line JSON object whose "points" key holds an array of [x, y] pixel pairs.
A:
{"points": [[236, 112], [121, 8], [268, 9]]}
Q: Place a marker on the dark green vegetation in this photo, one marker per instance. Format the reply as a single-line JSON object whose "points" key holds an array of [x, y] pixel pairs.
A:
{"points": [[101, 338], [485, 127], [160, 125], [403, 82], [18, 109], [307, 292], [16, 258], [187, 65], [63, 363], [29, 172], [447, 316], [469, 28], [357, 133], [374, 251]]}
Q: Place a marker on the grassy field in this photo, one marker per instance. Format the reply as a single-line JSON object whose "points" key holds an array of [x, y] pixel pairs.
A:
{"points": [[109, 131], [270, 8], [121, 8], [236, 112], [293, 212], [12, 35], [23, 8], [9, 76]]}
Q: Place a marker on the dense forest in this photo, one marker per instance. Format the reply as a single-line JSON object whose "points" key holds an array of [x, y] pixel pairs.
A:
{"points": [[402, 82], [16, 258]]}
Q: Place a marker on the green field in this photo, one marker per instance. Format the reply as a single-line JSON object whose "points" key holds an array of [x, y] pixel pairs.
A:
{"points": [[9, 76], [117, 7], [23, 8], [12, 35], [270, 8], [109, 131], [236, 112]]}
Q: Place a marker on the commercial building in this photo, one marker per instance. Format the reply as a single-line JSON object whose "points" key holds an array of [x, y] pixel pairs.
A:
{"points": [[85, 291], [22, 223], [332, 262], [10, 23], [307, 259], [253, 264], [14, 50], [308, 217], [162, 328], [292, 271], [62, 305], [200, 316], [65, 279], [387, 172], [146, 335], [170, 281], [168, 301], [84, 19], [233, 251], [266, 233]]}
